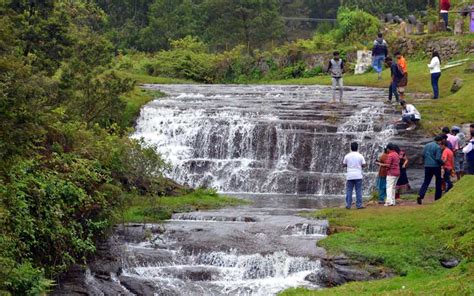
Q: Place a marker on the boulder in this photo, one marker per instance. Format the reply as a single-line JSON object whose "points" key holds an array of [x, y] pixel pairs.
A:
{"points": [[469, 69], [450, 263], [457, 85], [340, 270]]}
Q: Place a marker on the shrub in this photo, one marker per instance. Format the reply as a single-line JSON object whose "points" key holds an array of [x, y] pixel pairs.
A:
{"points": [[355, 25]]}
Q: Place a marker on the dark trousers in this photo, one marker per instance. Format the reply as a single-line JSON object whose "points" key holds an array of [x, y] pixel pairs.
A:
{"points": [[393, 90], [434, 83], [470, 166], [429, 173], [447, 179]]}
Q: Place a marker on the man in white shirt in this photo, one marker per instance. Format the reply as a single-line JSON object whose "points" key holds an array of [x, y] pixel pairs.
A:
{"points": [[354, 162], [410, 115]]}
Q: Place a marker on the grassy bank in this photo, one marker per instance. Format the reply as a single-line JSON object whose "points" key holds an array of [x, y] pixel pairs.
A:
{"points": [[448, 110], [409, 240], [155, 209]]}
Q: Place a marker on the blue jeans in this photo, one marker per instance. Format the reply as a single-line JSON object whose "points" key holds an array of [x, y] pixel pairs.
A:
{"points": [[393, 90], [382, 188], [377, 63], [447, 179], [434, 83], [358, 188]]}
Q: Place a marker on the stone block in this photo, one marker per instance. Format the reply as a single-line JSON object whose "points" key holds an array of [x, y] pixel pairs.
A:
{"points": [[457, 85]]}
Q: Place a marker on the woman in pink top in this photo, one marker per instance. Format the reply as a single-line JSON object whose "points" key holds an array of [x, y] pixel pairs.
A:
{"points": [[393, 164]]}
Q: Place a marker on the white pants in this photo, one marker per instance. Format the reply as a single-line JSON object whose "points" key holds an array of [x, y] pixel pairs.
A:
{"points": [[391, 183], [337, 82]]}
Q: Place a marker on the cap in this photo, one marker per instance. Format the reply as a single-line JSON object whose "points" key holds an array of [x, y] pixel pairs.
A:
{"points": [[455, 128]]}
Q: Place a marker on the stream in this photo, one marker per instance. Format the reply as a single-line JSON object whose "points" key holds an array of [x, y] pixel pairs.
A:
{"points": [[281, 147]]}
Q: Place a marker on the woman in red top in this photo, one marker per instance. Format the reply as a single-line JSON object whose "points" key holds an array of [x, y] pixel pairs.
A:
{"points": [[393, 172], [444, 7], [448, 167]]}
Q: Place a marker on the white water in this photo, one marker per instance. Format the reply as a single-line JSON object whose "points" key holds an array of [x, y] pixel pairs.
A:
{"points": [[262, 139]]}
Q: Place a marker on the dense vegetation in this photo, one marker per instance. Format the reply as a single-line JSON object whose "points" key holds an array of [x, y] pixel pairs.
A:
{"points": [[65, 160], [67, 101], [411, 240], [149, 25]]}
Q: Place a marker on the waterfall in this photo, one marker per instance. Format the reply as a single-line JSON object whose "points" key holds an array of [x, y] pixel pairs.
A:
{"points": [[263, 139]]}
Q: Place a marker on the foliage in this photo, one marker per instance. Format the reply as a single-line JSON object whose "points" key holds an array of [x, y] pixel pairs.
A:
{"points": [[65, 157], [356, 24]]}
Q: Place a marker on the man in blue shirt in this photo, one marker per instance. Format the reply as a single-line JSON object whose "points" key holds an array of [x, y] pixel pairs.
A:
{"points": [[433, 162]]}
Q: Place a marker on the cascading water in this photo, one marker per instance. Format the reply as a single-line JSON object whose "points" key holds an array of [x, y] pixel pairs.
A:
{"points": [[285, 141], [262, 139]]}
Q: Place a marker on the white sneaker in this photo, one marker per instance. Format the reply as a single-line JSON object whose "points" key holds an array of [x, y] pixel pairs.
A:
{"points": [[410, 128]]}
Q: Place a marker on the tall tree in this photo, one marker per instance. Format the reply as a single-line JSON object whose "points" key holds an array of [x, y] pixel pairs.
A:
{"points": [[251, 22]]}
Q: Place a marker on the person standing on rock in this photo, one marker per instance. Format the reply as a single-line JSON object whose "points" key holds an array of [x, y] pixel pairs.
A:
{"points": [[382, 177], [402, 63], [379, 53], [469, 152], [435, 70], [396, 76], [336, 69], [392, 163], [354, 161], [444, 6], [433, 162]]}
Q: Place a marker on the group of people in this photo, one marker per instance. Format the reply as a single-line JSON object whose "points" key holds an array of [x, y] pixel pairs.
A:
{"points": [[399, 69], [449, 155]]}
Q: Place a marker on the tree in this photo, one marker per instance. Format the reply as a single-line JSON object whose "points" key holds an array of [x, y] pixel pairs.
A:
{"points": [[249, 22]]}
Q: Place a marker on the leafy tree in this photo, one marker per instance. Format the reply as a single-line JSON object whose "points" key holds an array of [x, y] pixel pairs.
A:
{"points": [[249, 22]]}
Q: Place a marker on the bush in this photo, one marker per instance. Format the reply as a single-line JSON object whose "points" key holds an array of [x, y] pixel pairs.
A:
{"points": [[355, 25]]}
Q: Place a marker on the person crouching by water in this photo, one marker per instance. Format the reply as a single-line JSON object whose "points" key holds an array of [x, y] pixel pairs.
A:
{"points": [[448, 165], [382, 177], [336, 69], [410, 115], [402, 63], [469, 152], [354, 161], [396, 76], [392, 163], [433, 162]]}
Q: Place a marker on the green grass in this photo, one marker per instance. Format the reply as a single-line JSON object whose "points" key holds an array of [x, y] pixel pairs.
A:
{"points": [[155, 209], [450, 109], [409, 240]]}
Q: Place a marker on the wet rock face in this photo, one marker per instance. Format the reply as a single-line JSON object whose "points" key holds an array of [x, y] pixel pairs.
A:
{"points": [[264, 139]]}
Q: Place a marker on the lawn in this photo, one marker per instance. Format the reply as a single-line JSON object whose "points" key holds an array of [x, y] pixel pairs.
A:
{"points": [[142, 209], [411, 241]]}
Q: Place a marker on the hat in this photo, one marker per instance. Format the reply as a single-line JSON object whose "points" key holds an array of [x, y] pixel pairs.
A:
{"points": [[455, 128]]}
